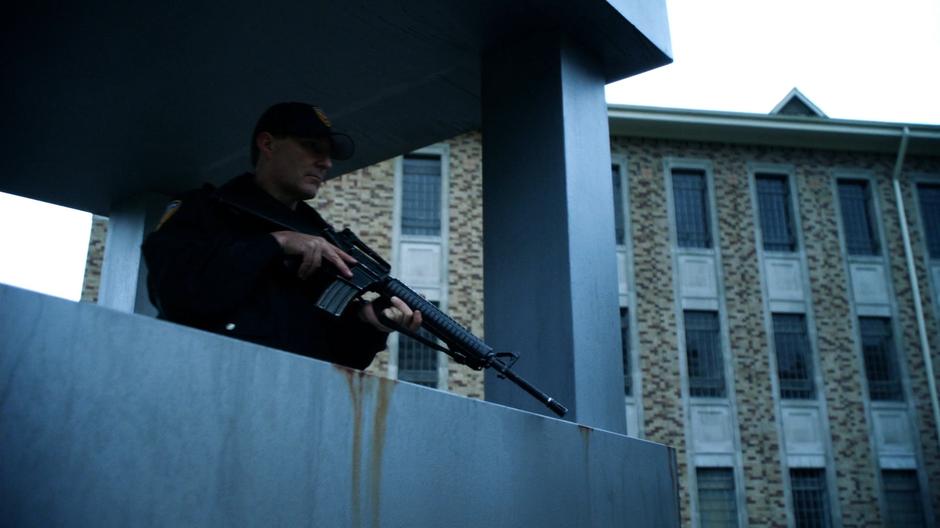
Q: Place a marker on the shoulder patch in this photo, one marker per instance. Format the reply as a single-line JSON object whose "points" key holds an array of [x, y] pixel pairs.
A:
{"points": [[171, 209]]}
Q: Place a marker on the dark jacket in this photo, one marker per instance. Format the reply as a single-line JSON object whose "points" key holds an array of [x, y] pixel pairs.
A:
{"points": [[214, 267]]}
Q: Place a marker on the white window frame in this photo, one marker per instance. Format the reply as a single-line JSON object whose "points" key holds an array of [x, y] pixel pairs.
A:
{"points": [[897, 332], [439, 294], [805, 308], [669, 164]]}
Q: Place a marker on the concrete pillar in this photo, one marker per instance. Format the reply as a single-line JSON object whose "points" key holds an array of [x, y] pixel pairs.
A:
{"points": [[123, 271], [549, 252]]}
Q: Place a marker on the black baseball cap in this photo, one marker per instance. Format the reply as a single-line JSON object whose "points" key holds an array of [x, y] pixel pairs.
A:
{"points": [[302, 120]]}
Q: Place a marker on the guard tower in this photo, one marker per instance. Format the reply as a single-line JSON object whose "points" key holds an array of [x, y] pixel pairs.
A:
{"points": [[112, 417]]}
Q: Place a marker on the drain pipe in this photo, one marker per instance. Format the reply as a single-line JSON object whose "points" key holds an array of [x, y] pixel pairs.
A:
{"points": [[915, 288]]}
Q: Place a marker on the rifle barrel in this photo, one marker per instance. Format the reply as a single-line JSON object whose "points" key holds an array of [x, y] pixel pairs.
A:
{"points": [[478, 353]]}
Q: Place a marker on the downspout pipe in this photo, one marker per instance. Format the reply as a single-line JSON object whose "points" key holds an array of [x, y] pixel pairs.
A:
{"points": [[915, 288]]}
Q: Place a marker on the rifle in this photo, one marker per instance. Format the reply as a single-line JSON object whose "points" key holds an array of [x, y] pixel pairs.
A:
{"points": [[372, 274]]}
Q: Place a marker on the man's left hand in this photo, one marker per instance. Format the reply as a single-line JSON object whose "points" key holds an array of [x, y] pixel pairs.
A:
{"points": [[399, 312]]}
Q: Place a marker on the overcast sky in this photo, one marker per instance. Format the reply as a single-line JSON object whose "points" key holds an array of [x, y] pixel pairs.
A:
{"points": [[44, 246], [855, 59]]}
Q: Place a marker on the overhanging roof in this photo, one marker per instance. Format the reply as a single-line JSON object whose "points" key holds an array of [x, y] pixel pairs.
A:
{"points": [[771, 130], [105, 100]]}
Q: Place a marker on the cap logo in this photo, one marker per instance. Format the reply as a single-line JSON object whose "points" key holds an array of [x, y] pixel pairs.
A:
{"points": [[322, 117]]}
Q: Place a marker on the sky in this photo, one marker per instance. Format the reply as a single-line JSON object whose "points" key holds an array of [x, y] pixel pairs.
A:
{"points": [[854, 59], [44, 246]]}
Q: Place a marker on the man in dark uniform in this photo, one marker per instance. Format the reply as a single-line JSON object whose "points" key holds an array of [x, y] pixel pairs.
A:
{"points": [[224, 260]]}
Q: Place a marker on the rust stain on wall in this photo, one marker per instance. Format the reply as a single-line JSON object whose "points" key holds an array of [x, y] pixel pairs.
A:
{"points": [[354, 382], [382, 389], [379, 426]]}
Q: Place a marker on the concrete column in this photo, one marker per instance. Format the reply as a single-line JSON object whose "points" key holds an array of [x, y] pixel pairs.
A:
{"points": [[123, 271], [549, 251]]}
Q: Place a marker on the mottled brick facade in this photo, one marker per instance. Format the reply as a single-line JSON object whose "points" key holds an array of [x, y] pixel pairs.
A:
{"points": [[465, 252], [856, 465], [92, 282], [842, 369], [760, 447], [663, 415]]}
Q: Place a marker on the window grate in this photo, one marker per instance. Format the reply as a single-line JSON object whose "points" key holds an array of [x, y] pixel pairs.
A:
{"points": [[930, 211], [703, 354], [810, 500], [881, 362], [902, 497], [421, 195], [773, 200], [417, 362], [691, 200], [619, 211], [855, 202], [794, 368], [717, 506], [625, 349]]}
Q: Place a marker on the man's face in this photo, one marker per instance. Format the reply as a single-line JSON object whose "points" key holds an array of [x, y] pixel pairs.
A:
{"points": [[298, 167]]}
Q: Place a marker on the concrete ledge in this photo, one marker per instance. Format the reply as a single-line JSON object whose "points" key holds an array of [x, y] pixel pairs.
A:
{"points": [[113, 419]]}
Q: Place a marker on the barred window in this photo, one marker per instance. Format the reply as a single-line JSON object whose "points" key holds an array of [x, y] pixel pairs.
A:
{"points": [[690, 191], [810, 500], [773, 200], [857, 217], [703, 352], [625, 349], [717, 506], [794, 367], [902, 497], [881, 362], [421, 195], [619, 211], [930, 211], [417, 362]]}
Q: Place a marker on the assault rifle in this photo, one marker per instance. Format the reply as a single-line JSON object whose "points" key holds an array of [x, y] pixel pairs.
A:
{"points": [[371, 274]]}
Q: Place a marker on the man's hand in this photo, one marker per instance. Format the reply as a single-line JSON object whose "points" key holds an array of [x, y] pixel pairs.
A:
{"points": [[313, 250], [399, 312]]}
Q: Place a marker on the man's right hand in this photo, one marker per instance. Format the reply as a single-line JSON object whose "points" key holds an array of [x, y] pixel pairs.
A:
{"points": [[312, 251]]}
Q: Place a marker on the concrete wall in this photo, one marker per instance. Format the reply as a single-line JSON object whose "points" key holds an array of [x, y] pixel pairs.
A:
{"points": [[111, 419]]}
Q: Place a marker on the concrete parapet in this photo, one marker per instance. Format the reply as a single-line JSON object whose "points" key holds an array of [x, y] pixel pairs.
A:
{"points": [[109, 418]]}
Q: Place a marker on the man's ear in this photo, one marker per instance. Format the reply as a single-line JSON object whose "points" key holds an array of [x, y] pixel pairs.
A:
{"points": [[265, 143]]}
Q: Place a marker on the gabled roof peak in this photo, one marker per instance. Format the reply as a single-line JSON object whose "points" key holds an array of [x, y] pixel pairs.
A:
{"points": [[797, 104]]}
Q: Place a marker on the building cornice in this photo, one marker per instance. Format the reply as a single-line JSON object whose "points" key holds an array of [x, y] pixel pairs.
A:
{"points": [[771, 130]]}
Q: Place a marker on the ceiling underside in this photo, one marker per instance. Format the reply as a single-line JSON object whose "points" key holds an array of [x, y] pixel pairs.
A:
{"points": [[109, 100]]}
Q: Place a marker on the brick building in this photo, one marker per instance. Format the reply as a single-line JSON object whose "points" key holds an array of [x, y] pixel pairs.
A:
{"points": [[772, 331]]}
